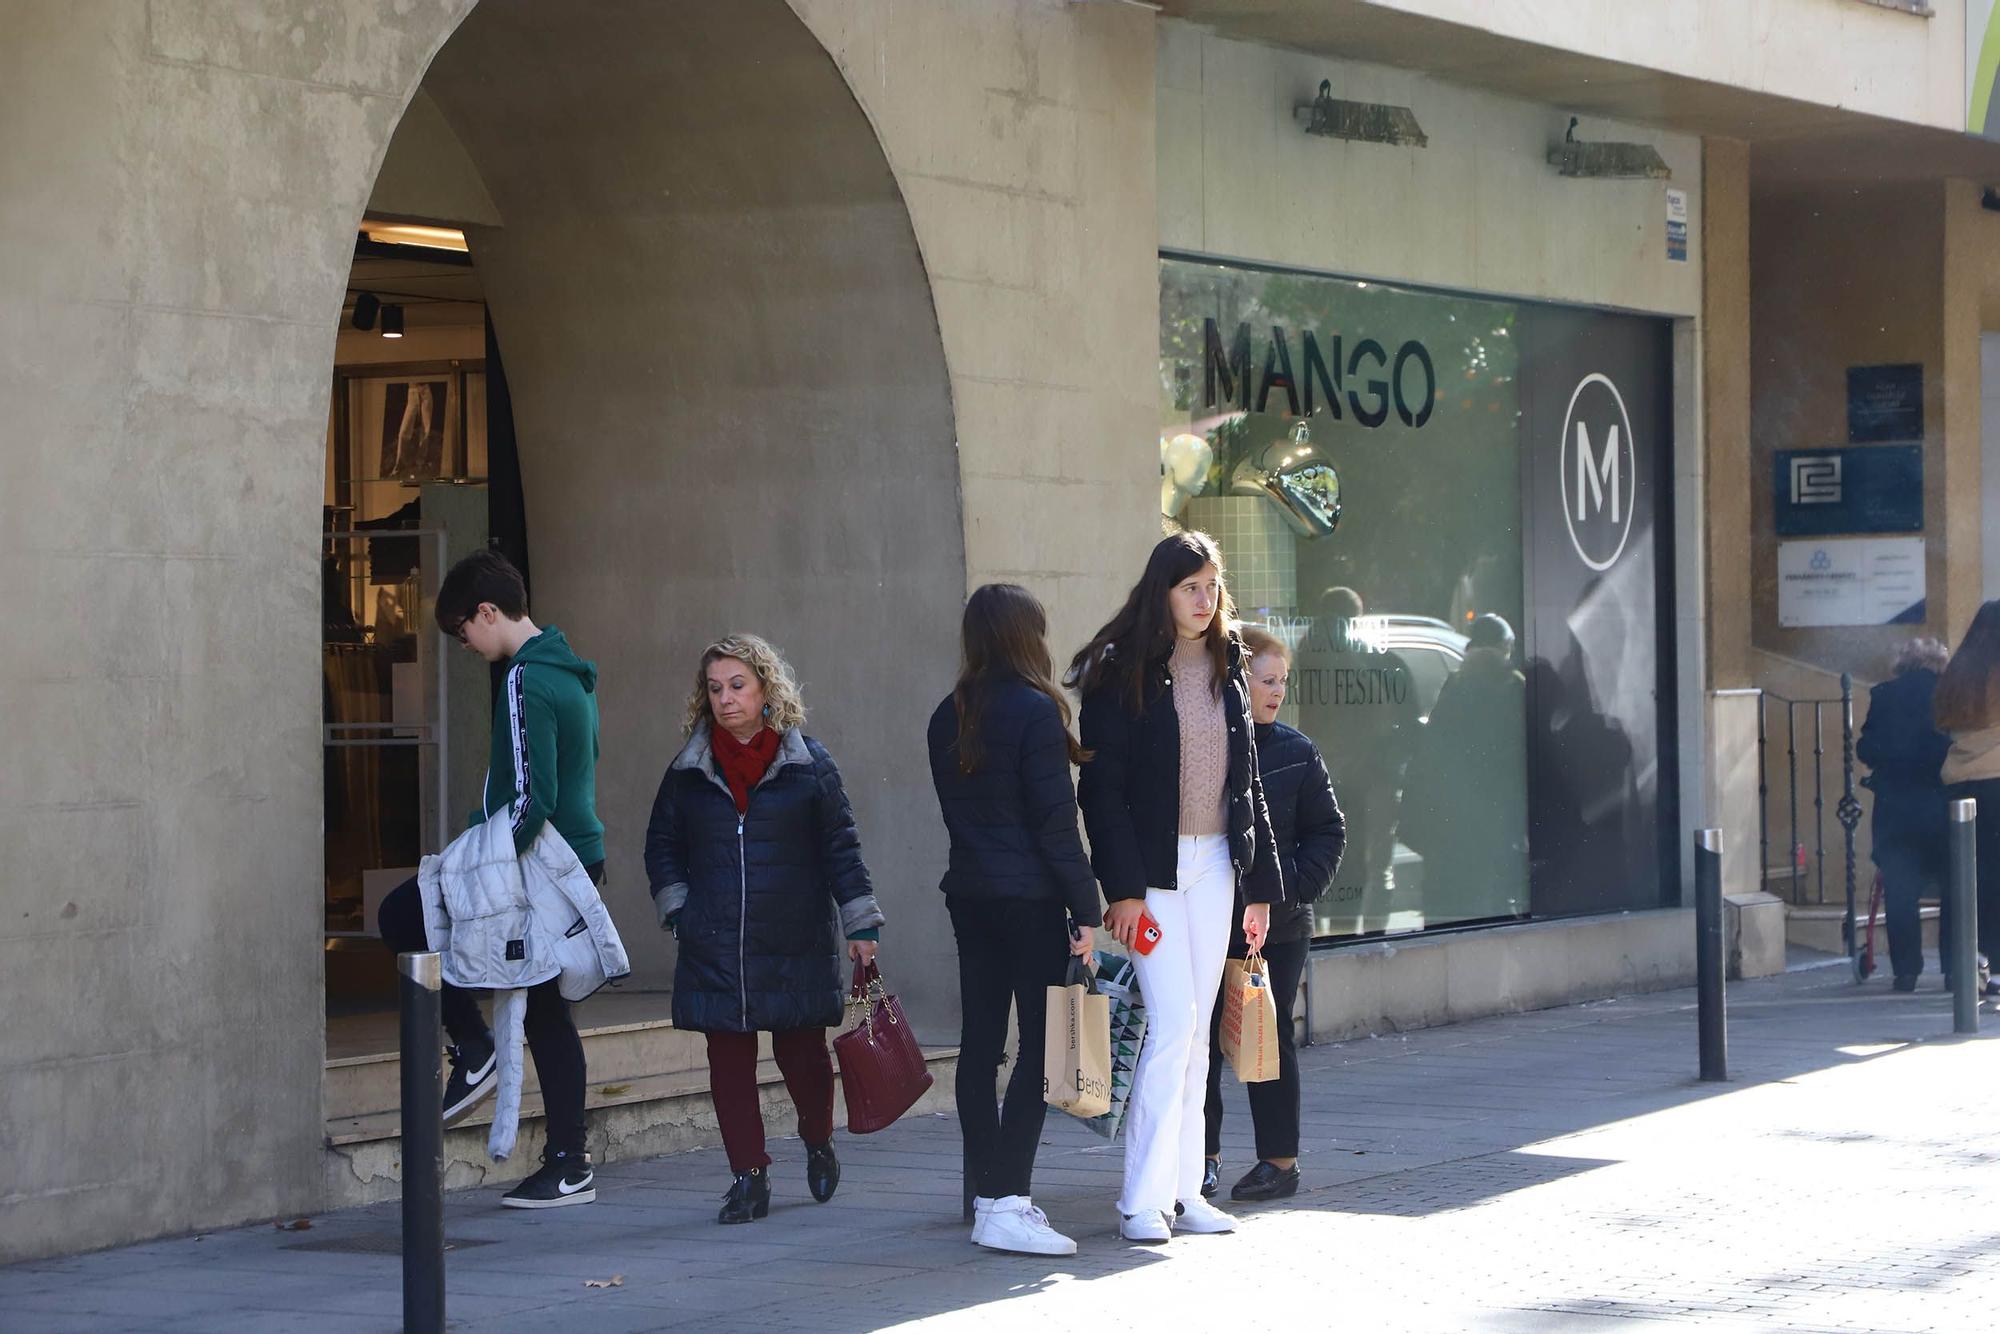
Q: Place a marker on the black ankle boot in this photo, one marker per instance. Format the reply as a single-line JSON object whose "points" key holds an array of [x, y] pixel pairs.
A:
{"points": [[822, 1170], [749, 1197]]}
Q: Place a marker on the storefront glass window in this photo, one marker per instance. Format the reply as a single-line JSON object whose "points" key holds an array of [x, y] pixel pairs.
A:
{"points": [[1288, 400]]}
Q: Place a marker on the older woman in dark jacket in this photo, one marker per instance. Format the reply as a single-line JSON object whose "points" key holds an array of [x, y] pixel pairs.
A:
{"points": [[1904, 752], [755, 865], [1019, 888], [1311, 834]]}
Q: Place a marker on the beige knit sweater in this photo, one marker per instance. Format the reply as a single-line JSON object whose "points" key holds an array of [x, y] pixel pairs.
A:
{"points": [[1204, 738]]}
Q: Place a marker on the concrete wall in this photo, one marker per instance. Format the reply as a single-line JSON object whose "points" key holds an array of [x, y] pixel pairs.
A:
{"points": [[1839, 279], [1479, 209], [1725, 406], [179, 186], [1971, 308], [178, 195], [1021, 133], [731, 400], [1835, 53], [1393, 985]]}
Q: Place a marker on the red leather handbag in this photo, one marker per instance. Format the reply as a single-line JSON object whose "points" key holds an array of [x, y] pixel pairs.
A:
{"points": [[882, 1070]]}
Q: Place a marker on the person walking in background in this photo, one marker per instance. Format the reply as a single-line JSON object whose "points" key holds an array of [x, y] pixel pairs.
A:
{"points": [[1905, 753], [542, 770], [1310, 834], [1019, 889], [750, 834], [1181, 841], [1967, 706]]}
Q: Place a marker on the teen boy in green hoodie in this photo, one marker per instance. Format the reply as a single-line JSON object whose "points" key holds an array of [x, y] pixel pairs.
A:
{"points": [[542, 770]]}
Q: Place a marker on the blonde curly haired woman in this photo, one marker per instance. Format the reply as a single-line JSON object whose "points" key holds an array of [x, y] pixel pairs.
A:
{"points": [[751, 833]]}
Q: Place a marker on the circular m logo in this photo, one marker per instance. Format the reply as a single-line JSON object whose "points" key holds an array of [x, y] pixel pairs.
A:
{"points": [[1599, 470]]}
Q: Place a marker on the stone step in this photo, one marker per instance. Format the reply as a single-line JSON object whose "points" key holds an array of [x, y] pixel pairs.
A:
{"points": [[639, 1117], [614, 1053], [1817, 927]]}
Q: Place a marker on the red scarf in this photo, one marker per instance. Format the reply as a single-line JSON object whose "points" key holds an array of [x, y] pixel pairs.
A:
{"points": [[743, 763]]}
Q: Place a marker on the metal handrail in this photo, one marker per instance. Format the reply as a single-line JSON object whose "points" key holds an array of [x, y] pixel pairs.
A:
{"points": [[1847, 810]]}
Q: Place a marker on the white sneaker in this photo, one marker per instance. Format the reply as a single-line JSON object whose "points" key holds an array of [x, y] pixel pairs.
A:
{"points": [[1198, 1215], [1150, 1227], [981, 1207], [1015, 1224]]}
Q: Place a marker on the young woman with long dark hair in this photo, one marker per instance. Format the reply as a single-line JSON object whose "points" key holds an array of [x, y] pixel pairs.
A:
{"points": [[1967, 706], [1179, 833], [1019, 889]]}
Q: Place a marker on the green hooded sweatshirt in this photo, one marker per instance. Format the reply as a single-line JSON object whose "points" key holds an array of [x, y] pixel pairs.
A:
{"points": [[543, 765]]}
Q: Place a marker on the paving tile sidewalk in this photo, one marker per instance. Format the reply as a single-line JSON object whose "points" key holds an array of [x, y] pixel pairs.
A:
{"points": [[1554, 1170]]}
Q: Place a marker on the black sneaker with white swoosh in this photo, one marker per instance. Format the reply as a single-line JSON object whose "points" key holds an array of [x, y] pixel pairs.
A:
{"points": [[475, 1073], [565, 1178]]}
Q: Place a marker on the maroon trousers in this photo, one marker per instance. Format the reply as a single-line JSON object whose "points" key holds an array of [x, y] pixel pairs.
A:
{"points": [[732, 1075]]}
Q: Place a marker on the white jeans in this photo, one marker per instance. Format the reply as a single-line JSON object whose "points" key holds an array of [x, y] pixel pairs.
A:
{"points": [[1179, 981]]}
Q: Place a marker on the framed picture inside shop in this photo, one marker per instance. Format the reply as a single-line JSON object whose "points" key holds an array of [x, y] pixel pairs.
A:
{"points": [[408, 424]]}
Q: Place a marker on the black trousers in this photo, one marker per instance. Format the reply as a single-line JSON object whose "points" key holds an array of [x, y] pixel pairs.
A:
{"points": [[1274, 1103], [548, 1026], [1009, 953], [1912, 868]]}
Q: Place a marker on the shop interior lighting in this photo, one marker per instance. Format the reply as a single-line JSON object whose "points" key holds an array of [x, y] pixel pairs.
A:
{"points": [[411, 234], [1363, 122], [1606, 161], [392, 321], [366, 307]]}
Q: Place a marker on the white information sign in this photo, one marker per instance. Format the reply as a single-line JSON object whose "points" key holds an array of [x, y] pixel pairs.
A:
{"points": [[1849, 580]]}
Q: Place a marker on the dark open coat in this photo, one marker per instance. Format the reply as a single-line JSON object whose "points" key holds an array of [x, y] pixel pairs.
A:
{"points": [[1130, 790]]}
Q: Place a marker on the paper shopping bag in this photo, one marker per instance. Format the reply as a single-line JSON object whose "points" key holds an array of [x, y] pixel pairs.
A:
{"points": [[1249, 1019], [1076, 1058], [1118, 981]]}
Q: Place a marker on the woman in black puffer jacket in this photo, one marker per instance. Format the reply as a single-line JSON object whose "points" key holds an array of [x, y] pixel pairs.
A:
{"points": [[1179, 833], [1020, 891], [1311, 834], [755, 866]]}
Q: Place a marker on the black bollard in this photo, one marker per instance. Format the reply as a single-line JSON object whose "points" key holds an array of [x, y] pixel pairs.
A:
{"points": [[1964, 963], [423, 1143], [1710, 961]]}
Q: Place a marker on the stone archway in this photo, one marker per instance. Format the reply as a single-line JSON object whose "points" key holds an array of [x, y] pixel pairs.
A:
{"points": [[727, 381]]}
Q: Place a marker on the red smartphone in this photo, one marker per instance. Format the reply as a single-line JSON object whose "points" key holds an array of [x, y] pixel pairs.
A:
{"points": [[1148, 935]]}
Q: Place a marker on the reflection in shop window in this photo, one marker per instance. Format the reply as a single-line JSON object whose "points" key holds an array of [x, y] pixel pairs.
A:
{"points": [[1355, 451]]}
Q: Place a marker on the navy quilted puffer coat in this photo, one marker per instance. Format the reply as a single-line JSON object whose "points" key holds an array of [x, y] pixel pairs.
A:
{"points": [[759, 902], [1013, 821]]}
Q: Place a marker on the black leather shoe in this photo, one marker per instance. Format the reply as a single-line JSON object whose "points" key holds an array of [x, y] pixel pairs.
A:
{"points": [[1211, 1178], [749, 1197], [1905, 983], [822, 1171], [1265, 1182]]}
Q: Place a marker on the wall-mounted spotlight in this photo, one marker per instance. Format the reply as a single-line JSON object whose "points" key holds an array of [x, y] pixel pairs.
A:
{"points": [[366, 307], [1367, 122], [1606, 161], [392, 321]]}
